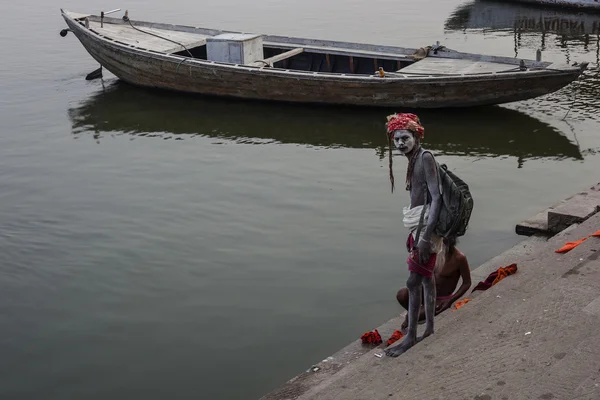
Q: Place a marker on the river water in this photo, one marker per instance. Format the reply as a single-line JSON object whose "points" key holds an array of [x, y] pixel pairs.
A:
{"points": [[155, 245]]}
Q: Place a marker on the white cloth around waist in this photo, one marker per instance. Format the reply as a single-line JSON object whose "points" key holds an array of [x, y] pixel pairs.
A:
{"points": [[412, 216]]}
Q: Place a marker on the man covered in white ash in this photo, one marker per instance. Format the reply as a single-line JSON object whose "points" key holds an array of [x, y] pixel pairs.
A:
{"points": [[427, 250]]}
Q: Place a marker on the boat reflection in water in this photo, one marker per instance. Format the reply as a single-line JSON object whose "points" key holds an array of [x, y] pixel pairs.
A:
{"points": [[558, 33], [578, 28], [483, 132]]}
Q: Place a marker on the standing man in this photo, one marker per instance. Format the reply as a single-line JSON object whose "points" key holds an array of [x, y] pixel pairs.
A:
{"points": [[421, 217]]}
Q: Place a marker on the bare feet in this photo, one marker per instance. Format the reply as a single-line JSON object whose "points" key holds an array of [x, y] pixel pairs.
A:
{"points": [[425, 334], [400, 348]]}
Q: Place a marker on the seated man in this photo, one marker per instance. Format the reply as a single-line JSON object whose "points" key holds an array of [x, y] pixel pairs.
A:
{"points": [[446, 279]]}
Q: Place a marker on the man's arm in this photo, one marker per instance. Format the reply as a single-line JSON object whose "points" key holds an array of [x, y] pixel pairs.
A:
{"points": [[465, 274]]}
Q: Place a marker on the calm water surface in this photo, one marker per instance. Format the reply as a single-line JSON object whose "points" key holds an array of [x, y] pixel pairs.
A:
{"points": [[158, 246]]}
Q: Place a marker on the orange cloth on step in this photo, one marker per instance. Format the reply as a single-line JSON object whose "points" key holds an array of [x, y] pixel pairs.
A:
{"points": [[570, 246], [371, 337], [460, 303], [496, 277], [397, 335], [503, 272]]}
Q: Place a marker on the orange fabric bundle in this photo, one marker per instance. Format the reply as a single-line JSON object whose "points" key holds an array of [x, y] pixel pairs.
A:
{"points": [[571, 245], [503, 272], [460, 304], [397, 335], [371, 337], [496, 277]]}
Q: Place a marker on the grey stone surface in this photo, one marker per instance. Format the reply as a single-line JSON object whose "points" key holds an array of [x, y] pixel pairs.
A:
{"points": [[538, 224], [572, 210], [576, 210], [534, 335]]}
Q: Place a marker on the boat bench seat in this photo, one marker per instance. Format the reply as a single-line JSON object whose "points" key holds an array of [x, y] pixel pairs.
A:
{"points": [[268, 62]]}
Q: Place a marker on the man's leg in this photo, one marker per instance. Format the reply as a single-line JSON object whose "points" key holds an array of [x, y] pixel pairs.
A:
{"points": [[413, 285], [402, 297], [429, 300]]}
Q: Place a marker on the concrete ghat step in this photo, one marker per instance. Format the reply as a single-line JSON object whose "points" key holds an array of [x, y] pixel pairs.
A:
{"points": [[530, 255], [541, 273], [572, 210], [516, 332], [350, 354], [538, 265]]}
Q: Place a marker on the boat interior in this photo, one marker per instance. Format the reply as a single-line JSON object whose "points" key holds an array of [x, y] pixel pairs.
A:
{"points": [[260, 51]]}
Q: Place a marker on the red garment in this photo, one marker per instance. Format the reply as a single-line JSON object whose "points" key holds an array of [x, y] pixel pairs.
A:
{"points": [[397, 335], [371, 337], [414, 265], [409, 122], [496, 277]]}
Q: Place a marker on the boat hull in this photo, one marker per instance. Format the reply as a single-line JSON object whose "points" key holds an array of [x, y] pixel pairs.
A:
{"points": [[164, 71]]}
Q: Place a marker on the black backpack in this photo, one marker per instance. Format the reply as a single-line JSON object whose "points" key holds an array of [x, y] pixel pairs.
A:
{"points": [[457, 204]]}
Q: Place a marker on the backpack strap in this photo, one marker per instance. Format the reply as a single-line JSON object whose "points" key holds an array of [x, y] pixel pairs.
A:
{"points": [[421, 218], [426, 196]]}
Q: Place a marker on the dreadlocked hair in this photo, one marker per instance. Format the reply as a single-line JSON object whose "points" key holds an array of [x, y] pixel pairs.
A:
{"points": [[450, 245]]}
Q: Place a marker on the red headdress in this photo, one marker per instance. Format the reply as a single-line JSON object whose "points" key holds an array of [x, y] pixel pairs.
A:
{"points": [[407, 121]]}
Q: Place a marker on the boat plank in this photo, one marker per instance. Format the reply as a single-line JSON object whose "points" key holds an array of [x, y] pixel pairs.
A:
{"points": [[78, 15], [176, 48], [450, 66], [126, 34]]}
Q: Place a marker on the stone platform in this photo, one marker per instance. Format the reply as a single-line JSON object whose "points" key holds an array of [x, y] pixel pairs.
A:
{"points": [[534, 335]]}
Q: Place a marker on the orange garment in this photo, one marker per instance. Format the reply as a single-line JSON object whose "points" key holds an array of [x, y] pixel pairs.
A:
{"points": [[571, 245], [503, 272], [397, 335], [496, 277], [371, 337], [460, 303]]}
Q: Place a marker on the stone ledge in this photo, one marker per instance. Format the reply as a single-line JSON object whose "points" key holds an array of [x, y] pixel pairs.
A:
{"points": [[573, 210]]}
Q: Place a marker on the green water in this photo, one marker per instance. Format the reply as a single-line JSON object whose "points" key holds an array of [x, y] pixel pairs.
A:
{"points": [[156, 245]]}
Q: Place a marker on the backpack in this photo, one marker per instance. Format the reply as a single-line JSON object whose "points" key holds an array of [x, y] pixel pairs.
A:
{"points": [[456, 207]]}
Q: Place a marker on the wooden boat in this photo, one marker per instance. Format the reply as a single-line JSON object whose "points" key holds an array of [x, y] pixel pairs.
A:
{"points": [[277, 68]]}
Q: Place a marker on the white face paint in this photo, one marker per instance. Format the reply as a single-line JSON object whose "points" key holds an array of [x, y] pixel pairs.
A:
{"points": [[404, 141]]}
